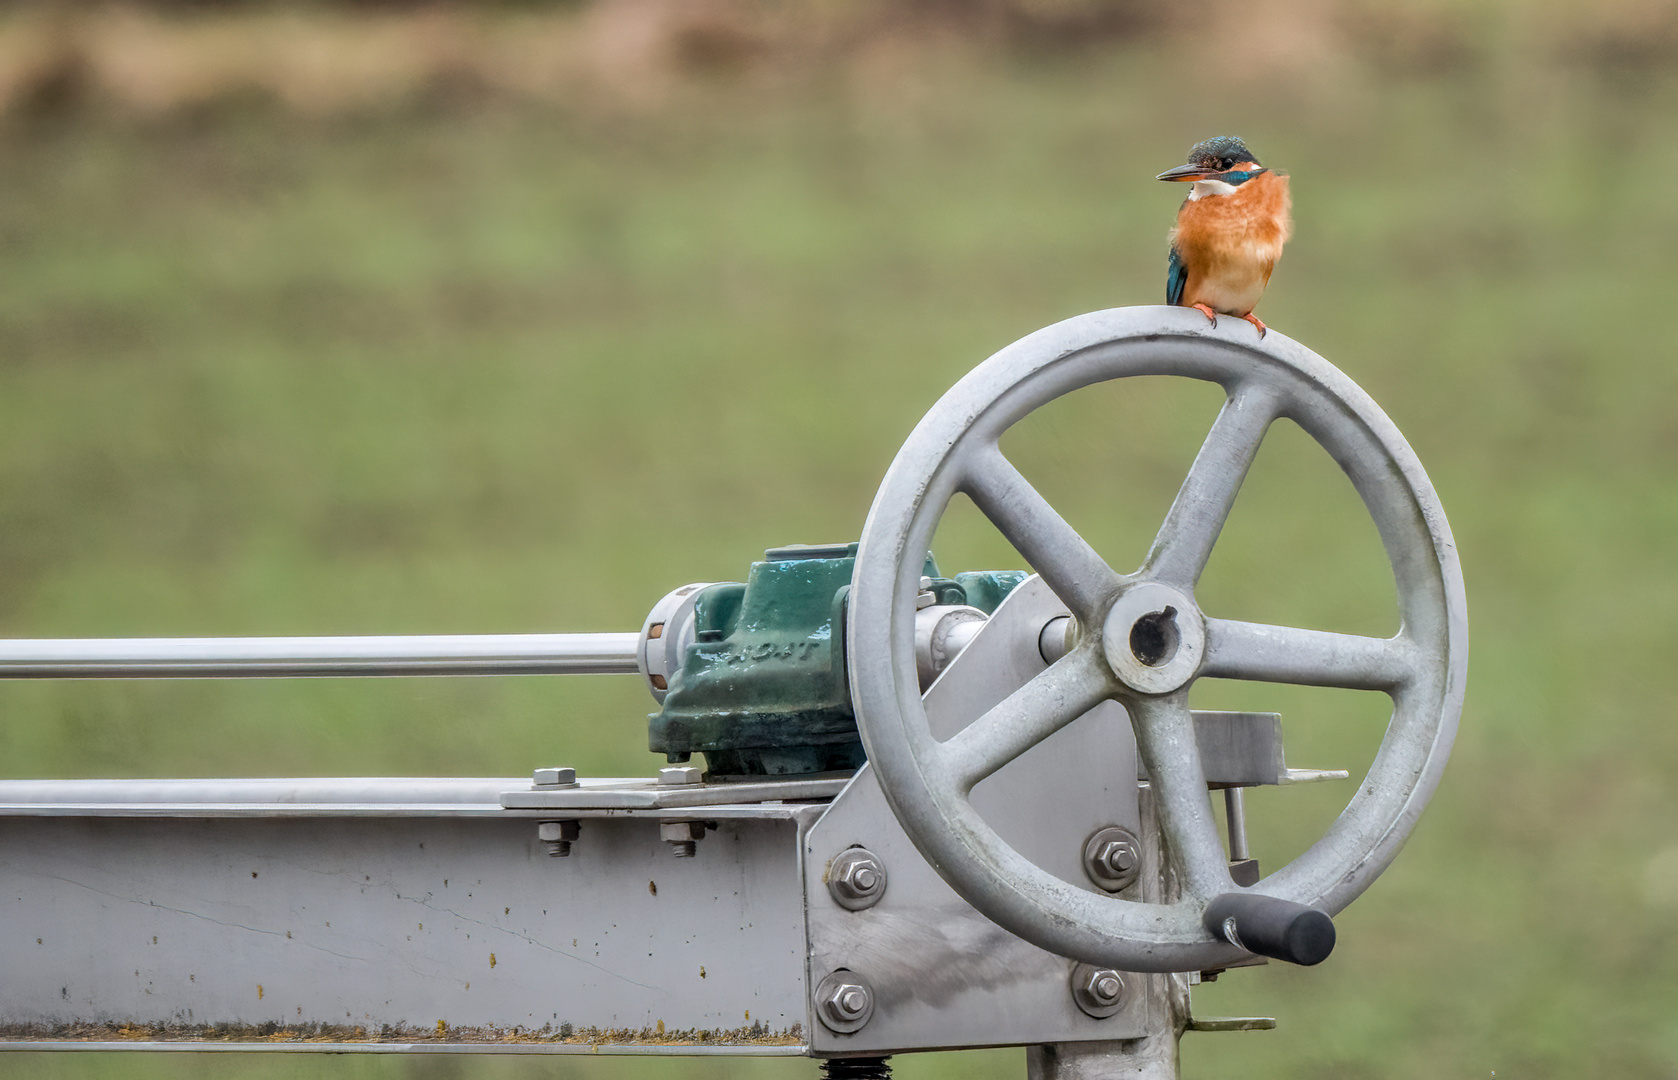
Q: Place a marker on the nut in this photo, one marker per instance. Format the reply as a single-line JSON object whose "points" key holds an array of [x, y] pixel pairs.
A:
{"points": [[558, 835], [1105, 987], [856, 879], [682, 836], [1119, 856], [849, 1001], [1099, 992], [844, 1001], [1113, 858]]}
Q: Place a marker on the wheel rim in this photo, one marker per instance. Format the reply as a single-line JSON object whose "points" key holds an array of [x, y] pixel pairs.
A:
{"points": [[1154, 642]]}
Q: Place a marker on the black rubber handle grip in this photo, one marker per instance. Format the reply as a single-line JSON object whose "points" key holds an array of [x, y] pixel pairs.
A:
{"points": [[1280, 929]]}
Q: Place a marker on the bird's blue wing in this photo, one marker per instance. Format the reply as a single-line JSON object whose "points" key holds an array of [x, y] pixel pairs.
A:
{"points": [[1176, 277]]}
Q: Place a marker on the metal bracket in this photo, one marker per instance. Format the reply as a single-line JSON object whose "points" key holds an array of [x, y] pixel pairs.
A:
{"points": [[940, 973]]}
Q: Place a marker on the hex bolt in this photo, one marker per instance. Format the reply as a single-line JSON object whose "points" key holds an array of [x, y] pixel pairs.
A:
{"points": [[1113, 858], [680, 776], [682, 836], [558, 835], [550, 778], [856, 879], [844, 1001], [1119, 856], [1099, 992]]}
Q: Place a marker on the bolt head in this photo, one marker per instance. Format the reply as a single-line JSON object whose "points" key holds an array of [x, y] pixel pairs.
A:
{"points": [[679, 775], [844, 1001], [681, 832], [558, 830], [1099, 992], [850, 1001], [856, 879], [1119, 856], [1113, 858], [553, 777]]}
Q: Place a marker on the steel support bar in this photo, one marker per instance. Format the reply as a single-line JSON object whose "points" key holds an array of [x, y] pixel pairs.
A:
{"points": [[401, 934], [270, 1046], [274, 657]]}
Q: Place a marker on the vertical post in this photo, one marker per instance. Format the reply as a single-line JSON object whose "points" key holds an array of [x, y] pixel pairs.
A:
{"points": [[1235, 814], [1153, 1057]]}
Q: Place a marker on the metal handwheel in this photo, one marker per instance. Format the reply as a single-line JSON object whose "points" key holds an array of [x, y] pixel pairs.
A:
{"points": [[1144, 641]]}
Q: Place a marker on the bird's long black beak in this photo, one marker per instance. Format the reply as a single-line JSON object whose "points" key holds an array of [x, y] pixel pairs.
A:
{"points": [[1187, 172]]}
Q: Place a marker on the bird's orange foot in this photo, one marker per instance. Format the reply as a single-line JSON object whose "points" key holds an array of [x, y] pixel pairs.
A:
{"points": [[1206, 311], [1254, 319]]}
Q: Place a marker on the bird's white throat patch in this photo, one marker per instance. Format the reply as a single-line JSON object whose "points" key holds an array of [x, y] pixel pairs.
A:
{"points": [[1202, 188]]}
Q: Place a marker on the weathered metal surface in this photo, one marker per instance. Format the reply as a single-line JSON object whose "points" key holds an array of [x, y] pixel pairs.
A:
{"points": [[294, 657], [931, 783], [942, 974], [269, 1044], [400, 923]]}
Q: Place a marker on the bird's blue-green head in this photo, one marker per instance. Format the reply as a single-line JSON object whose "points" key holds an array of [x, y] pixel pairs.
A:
{"points": [[1224, 157]]}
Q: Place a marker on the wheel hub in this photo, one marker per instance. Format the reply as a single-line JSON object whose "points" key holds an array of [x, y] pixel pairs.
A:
{"points": [[1154, 637]]}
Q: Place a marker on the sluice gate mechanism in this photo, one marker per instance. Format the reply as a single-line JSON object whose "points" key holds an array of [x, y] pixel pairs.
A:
{"points": [[935, 811]]}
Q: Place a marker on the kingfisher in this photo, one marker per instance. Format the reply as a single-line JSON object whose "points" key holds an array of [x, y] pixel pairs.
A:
{"points": [[1230, 230]]}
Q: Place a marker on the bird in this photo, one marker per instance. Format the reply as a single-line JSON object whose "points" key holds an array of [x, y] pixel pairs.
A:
{"points": [[1229, 231]]}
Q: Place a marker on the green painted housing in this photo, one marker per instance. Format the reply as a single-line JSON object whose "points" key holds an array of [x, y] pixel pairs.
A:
{"points": [[763, 690]]}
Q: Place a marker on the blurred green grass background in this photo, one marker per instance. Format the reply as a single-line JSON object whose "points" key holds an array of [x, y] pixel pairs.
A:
{"points": [[465, 360]]}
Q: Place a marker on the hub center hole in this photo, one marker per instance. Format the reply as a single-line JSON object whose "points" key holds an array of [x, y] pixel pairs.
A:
{"points": [[1154, 637]]}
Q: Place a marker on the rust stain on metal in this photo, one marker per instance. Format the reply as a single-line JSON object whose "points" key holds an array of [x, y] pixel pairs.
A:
{"points": [[755, 1035]]}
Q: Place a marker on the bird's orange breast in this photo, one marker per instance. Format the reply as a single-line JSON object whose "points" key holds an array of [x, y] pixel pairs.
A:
{"points": [[1230, 243]]}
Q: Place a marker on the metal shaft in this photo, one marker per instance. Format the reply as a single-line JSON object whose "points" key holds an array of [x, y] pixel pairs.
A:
{"points": [[270, 657], [1235, 810]]}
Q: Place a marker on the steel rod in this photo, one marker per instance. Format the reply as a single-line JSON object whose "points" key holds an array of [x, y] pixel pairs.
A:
{"points": [[275, 657], [1235, 810]]}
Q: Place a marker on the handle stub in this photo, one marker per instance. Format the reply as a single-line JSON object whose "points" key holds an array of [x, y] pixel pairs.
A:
{"points": [[1280, 929]]}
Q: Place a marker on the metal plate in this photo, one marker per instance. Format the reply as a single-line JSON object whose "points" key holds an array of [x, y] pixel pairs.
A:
{"points": [[944, 975], [401, 924]]}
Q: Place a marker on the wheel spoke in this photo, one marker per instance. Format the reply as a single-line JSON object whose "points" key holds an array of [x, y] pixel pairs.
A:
{"points": [[1080, 577], [1165, 740], [1285, 654], [1203, 503], [1071, 687]]}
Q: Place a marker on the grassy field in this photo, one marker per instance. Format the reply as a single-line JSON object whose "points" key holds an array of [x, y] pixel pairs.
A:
{"points": [[479, 367]]}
